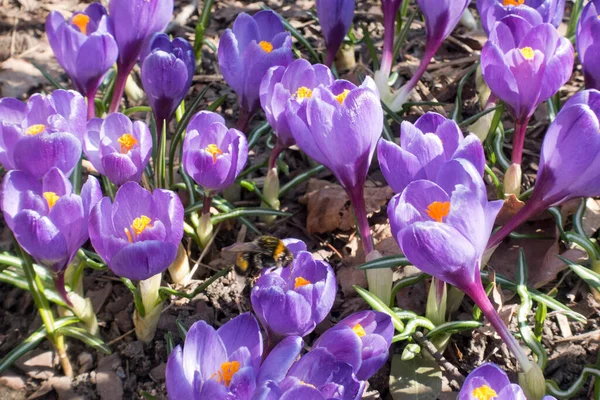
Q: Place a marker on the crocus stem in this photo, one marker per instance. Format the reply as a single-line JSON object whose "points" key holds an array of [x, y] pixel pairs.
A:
{"points": [[480, 298], [206, 203], [529, 210], [59, 284], [122, 75], [277, 150], [519, 140], [244, 118], [91, 96], [357, 199], [145, 327], [330, 56], [389, 22], [401, 96]]}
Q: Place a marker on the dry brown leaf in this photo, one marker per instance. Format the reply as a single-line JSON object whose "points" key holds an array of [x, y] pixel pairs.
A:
{"points": [[511, 206], [328, 206]]}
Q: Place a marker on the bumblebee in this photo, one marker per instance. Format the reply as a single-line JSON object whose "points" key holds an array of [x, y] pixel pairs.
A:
{"points": [[264, 251]]}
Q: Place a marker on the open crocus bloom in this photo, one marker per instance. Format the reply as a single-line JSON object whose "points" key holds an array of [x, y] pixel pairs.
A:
{"points": [[588, 44], [138, 234], [43, 133], [424, 148], [83, 46], [534, 11], [335, 18], [118, 148]]}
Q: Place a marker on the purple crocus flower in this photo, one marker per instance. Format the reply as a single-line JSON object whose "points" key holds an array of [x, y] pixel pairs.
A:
{"points": [[118, 148], [84, 47], [588, 44], [441, 17], [292, 301], [167, 72], [390, 11], [134, 22], [524, 65], [212, 154], [443, 230], [335, 17], [224, 363], [570, 160], [138, 234], [296, 83], [534, 11], [425, 147], [43, 133], [370, 333], [255, 44], [488, 381], [48, 220]]}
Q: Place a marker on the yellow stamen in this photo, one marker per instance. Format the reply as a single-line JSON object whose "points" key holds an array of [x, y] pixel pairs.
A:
{"points": [[138, 226], [300, 281], [35, 129], [438, 210], [228, 369], [528, 53], [213, 150], [342, 96], [359, 330], [81, 21], [51, 198], [127, 141], [513, 2], [303, 93], [266, 46], [308, 384], [484, 393]]}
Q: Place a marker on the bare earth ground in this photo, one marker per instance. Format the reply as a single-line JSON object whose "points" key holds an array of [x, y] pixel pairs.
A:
{"points": [[321, 217]]}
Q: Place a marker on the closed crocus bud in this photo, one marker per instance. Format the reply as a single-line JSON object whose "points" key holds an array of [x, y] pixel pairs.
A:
{"points": [[295, 82], [48, 220], [134, 22], [335, 18], [138, 234], [292, 301], [118, 148], [569, 162], [534, 11], [370, 333], [216, 364], [212, 154], [83, 46], [588, 44], [424, 147], [45, 132], [255, 44], [167, 71]]}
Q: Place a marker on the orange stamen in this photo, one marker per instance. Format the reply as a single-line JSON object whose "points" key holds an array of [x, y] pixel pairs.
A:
{"points": [[51, 198], [138, 226], [303, 93], [438, 210], [300, 281], [266, 46], [81, 21], [514, 3], [35, 129], [228, 369], [342, 96], [214, 151], [127, 141], [359, 330]]}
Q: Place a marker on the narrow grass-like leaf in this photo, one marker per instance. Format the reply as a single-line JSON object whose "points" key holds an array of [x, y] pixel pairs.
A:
{"points": [[84, 336], [300, 178], [257, 133], [201, 28], [386, 262], [247, 212], [182, 329], [406, 282], [137, 297], [376, 304], [590, 277], [450, 328], [166, 292], [137, 109], [47, 75], [456, 113]]}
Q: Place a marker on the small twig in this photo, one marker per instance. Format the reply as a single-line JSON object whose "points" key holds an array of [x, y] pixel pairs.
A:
{"points": [[458, 378], [577, 338], [123, 336]]}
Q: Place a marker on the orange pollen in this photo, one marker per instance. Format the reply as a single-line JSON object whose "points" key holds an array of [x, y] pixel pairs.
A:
{"points": [[528, 53], [266, 46], [127, 141], [214, 151], [515, 3], [300, 281], [138, 226], [303, 93], [308, 384], [35, 129], [359, 330], [51, 198], [228, 369], [342, 96], [438, 210], [81, 21]]}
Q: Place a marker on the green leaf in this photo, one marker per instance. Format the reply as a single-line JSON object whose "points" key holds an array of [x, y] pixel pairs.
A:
{"points": [[376, 304], [182, 329], [418, 378], [84, 336], [386, 262], [299, 179], [453, 327], [47, 75], [410, 351], [590, 277], [247, 212]]}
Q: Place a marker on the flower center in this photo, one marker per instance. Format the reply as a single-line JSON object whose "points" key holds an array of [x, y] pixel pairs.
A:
{"points": [[214, 151], [342, 96], [138, 226], [266, 46], [35, 129], [303, 93], [484, 393], [514, 3], [81, 21], [228, 369], [308, 384], [438, 210], [359, 330], [300, 281], [527, 52], [127, 141], [51, 198]]}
